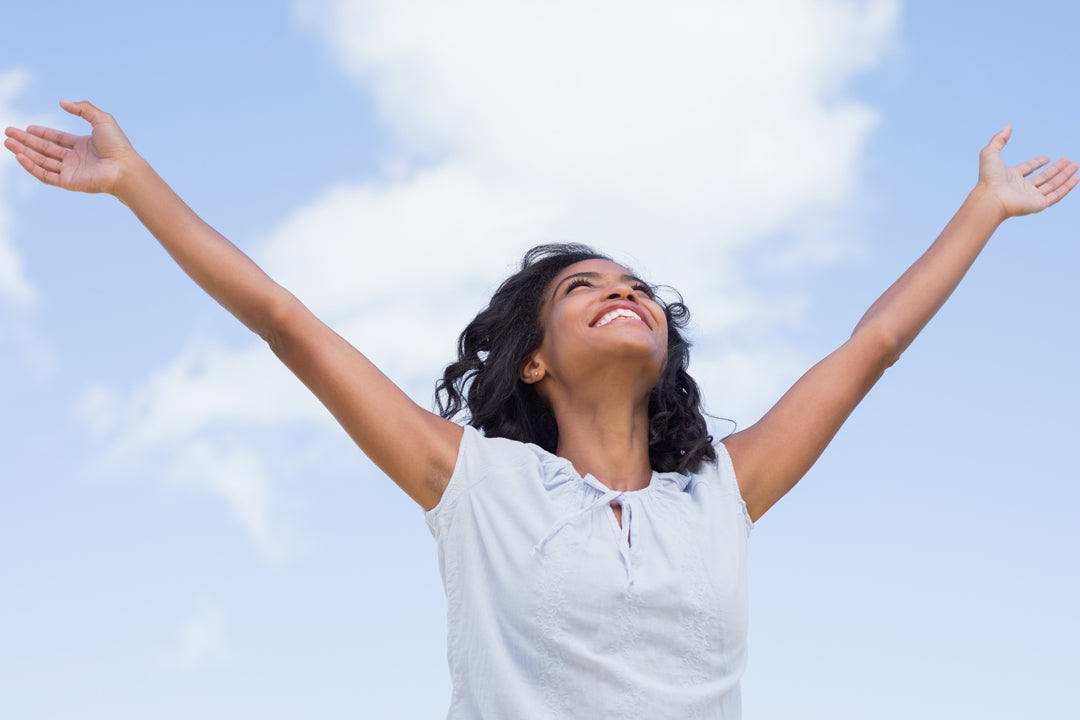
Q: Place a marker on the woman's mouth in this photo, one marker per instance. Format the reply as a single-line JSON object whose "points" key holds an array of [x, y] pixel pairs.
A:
{"points": [[620, 313]]}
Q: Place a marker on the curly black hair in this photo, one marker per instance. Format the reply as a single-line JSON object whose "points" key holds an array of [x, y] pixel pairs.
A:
{"points": [[485, 379]]}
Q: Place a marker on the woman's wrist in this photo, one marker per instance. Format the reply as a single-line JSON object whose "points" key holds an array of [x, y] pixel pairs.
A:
{"points": [[132, 174], [984, 201]]}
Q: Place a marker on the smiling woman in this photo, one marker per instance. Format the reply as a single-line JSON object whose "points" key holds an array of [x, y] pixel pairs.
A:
{"points": [[592, 536], [502, 371]]}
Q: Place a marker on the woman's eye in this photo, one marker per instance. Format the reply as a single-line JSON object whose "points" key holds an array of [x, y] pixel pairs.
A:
{"points": [[645, 290], [579, 282]]}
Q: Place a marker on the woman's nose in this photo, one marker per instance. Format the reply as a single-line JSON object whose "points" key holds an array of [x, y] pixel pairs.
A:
{"points": [[622, 290]]}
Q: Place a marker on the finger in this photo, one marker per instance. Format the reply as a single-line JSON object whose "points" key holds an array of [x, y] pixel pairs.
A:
{"points": [[39, 143], [1062, 175], [12, 137], [998, 141], [1030, 166], [87, 111], [49, 178], [52, 165], [1062, 191], [1052, 173], [63, 139], [13, 145]]}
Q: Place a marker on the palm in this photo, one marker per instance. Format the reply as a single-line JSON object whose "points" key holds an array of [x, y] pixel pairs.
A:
{"points": [[87, 163], [1018, 189], [88, 167]]}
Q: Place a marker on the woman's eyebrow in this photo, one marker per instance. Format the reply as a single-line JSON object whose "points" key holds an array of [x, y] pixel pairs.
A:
{"points": [[593, 276]]}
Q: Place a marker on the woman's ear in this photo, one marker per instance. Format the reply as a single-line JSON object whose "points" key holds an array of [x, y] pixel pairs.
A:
{"points": [[532, 370]]}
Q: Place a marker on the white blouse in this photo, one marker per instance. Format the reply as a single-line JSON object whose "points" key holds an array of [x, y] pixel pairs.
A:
{"points": [[555, 611]]}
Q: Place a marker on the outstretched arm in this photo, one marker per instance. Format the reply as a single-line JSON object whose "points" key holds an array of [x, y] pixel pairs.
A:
{"points": [[415, 447], [774, 453]]}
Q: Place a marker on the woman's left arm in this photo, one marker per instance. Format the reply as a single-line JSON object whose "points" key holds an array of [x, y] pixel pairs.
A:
{"points": [[772, 455]]}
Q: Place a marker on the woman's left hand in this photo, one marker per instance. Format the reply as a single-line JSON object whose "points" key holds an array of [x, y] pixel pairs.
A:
{"points": [[1015, 188]]}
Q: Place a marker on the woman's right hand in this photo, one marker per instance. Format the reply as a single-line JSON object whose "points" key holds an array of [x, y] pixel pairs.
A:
{"points": [[87, 163]]}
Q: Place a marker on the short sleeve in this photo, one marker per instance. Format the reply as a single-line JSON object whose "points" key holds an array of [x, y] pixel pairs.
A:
{"points": [[726, 473]]}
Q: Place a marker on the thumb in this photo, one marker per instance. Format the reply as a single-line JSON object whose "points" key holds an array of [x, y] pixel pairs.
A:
{"points": [[997, 143], [87, 111]]}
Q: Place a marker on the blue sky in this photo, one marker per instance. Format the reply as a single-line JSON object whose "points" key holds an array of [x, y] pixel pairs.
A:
{"points": [[183, 532]]}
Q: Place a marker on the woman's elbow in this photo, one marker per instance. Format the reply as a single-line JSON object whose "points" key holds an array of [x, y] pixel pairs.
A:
{"points": [[279, 318], [881, 343]]}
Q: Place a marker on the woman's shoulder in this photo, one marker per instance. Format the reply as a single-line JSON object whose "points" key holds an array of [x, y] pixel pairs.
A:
{"points": [[498, 465], [482, 450], [717, 477]]}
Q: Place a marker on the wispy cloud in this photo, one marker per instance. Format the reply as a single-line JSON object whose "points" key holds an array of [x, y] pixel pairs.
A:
{"points": [[177, 422], [14, 286], [675, 136], [19, 340], [201, 638]]}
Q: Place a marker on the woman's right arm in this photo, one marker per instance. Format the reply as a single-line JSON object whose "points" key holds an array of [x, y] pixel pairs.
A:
{"points": [[415, 447]]}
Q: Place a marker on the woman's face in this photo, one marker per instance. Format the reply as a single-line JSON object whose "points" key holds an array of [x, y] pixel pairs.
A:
{"points": [[597, 316]]}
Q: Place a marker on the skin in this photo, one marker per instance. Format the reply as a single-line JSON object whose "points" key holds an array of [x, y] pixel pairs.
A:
{"points": [[596, 379]]}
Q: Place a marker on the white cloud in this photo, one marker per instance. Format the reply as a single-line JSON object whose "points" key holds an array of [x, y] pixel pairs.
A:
{"points": [[14, 287], [201, 638], [638, 122], [205, 384], [238, 475], [751, 373], [19, 341], [165, 422], [673, 135]]}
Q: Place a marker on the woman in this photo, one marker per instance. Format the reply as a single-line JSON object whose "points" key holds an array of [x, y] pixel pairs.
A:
{"points": [[592, 539]]}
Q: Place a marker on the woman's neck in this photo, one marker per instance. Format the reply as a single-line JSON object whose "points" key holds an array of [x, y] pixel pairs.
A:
{"points": [[607, 438]]}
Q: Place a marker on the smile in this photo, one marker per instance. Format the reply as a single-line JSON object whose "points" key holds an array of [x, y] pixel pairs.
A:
{"points": [[617, 314]]}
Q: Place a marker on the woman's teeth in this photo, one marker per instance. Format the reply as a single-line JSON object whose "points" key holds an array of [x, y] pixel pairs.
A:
{"points": [[616, 314]]}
